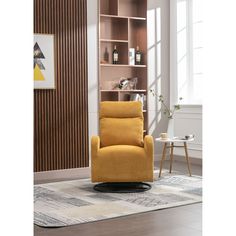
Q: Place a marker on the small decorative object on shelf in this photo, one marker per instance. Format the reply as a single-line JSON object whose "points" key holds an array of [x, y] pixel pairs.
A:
{"points": [[134, 97], [145, 101], [128, 83], [132, 56], [137, 97], [123, 84], [133, 83], [115, 56], [138, 56]]}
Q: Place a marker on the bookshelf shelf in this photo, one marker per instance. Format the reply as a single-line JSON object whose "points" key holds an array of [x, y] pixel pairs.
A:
{"points": [[124, 91], [113, 41], [124, 17], [123, 65], [134, 91]]}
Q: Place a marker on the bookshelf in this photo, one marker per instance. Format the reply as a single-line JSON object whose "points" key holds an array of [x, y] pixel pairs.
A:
{"points": [[122, 23]]}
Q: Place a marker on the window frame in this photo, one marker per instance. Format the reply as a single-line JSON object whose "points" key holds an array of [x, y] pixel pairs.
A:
{"points": [[173, 52]]}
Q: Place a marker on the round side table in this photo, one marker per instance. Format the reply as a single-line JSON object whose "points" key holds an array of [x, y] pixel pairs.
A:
{"points": [[170, 143]]}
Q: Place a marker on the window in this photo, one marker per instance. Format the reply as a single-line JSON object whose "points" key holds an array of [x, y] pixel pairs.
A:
{"points": [[186, 50]]}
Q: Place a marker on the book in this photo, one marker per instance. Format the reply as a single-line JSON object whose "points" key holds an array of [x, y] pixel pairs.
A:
{"points": [[132, 56]]}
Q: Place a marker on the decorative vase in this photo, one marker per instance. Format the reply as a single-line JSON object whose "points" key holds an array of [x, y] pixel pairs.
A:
{"points": [[170, 128]]}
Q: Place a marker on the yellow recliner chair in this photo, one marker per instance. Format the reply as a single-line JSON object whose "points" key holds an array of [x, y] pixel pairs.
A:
{"points": [[120, 154]]}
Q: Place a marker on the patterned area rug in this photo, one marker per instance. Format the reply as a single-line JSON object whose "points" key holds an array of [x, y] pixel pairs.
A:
{"points": [[75, 202]]}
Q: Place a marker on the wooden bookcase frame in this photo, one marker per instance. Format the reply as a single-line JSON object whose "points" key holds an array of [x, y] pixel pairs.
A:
{"points": [[122, 23]]}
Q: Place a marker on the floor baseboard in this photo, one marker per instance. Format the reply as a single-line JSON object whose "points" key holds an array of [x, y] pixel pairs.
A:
{"points": [[57, 175]]}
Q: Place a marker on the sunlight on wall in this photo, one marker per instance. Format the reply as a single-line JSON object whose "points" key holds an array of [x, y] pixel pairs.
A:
{"points": [[182, 49], [154, 64]]}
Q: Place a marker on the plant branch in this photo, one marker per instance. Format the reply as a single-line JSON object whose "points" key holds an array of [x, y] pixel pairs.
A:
{"points": [[168, 110]]}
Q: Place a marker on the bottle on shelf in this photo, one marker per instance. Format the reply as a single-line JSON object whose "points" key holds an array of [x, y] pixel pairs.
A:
{"points": [[115, 56], [106, 56], [138, 56]]}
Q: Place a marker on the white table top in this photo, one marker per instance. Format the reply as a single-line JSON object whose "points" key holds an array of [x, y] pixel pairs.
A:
{"points": [[170, 140]]}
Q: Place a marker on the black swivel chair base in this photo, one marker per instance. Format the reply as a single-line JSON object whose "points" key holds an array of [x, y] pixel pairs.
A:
{"points": [[122, 187]]}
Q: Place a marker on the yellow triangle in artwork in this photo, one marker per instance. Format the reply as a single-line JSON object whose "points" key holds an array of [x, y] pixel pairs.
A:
{"points": [[38, 76]]}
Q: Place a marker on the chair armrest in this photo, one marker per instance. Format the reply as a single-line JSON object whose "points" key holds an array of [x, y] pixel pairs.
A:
{"points": [[149, 146], [95, 146]]}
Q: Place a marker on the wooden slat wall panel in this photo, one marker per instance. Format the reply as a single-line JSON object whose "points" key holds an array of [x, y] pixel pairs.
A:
{"points": [[61, 115]]}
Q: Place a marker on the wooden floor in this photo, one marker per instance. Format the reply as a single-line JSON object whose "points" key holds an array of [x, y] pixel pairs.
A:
{"points": [[178, 221]]}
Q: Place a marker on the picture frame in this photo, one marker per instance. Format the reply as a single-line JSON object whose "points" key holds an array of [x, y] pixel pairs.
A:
{"points": [[43, 61]]}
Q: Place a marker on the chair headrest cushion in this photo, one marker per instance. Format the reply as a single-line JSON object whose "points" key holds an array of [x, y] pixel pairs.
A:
{"points": [[122, 109]]}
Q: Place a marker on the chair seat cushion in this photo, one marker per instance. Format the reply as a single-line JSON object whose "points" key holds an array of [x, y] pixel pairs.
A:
{"points": [[121, 152], [122, 163]]}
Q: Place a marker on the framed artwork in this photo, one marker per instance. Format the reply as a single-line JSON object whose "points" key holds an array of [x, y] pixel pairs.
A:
{"points": [[44, 61]]}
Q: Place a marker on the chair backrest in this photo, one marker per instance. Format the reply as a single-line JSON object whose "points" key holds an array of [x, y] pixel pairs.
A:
{"points": [[121, 123]]}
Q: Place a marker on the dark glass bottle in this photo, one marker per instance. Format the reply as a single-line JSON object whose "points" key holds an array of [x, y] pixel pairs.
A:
{"points": [[138, 56], [106, 55], [115, 56]]}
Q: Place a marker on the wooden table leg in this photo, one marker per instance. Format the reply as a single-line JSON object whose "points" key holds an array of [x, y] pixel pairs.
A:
{"points": [[163, 158], [187, 158], [171, 155]]}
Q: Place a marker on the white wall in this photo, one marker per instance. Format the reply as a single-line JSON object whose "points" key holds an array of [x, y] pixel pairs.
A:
{"points": [[158, 64], [92, 19], [188, 120]]}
